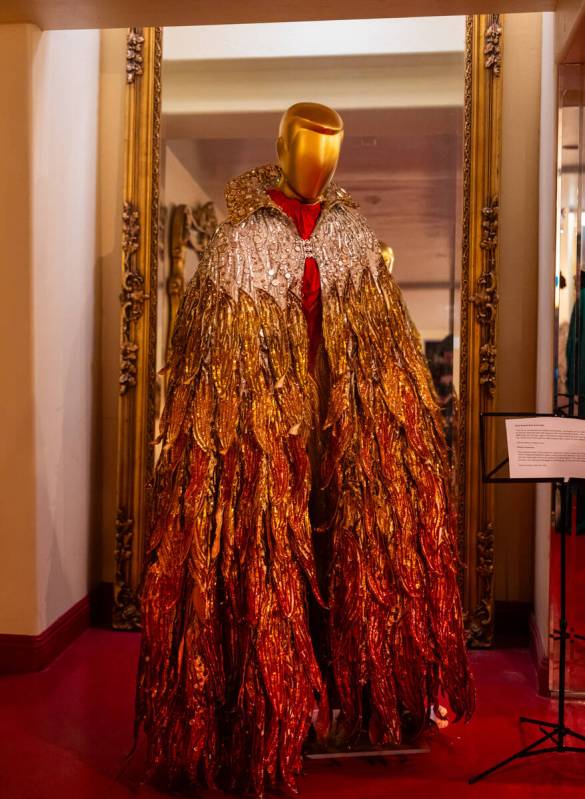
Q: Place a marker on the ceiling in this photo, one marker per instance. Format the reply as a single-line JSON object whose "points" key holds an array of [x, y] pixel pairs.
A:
{"points": [[55, 14]]}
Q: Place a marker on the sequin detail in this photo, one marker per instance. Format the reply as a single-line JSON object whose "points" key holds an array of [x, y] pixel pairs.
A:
{"points": [[228, 678]]}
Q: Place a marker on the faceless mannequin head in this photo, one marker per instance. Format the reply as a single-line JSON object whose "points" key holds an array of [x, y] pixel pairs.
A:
{"points": [[308, 146]]}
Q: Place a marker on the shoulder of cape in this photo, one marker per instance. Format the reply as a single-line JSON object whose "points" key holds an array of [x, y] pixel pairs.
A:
{"points": [[230, 235], [345, 225], [248, 193]]}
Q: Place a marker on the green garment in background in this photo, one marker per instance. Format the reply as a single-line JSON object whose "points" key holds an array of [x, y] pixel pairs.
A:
{"points": [[576, 361], [576, 382]]}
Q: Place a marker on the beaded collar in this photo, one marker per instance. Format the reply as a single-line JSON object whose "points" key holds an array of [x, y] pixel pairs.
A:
{"points": [[247, 193]]}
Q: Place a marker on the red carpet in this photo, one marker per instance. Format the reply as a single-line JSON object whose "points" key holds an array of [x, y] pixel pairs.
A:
{"points": [[64, 733]]}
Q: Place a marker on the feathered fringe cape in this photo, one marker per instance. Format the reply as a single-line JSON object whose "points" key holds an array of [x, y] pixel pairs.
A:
{"points": [[228, 680]]}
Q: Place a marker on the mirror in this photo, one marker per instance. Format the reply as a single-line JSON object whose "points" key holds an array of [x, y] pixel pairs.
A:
{"points": [[569, 374], [420, 103], [399, 86]]}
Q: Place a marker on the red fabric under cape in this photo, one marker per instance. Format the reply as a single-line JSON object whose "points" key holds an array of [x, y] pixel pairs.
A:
{"points": [[305, 216]]}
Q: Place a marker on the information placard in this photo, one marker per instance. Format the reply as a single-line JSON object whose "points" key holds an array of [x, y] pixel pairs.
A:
{"points": [[546, 447]]}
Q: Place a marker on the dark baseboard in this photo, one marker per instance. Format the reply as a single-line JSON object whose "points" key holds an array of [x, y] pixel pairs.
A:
{"points": [[24, 653], [20, 654], [539, 658], [101, 603], [515, 626], [512, 624]]}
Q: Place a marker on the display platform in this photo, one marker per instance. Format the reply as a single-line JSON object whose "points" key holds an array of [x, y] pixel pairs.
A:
{"points": [[371, 752]]}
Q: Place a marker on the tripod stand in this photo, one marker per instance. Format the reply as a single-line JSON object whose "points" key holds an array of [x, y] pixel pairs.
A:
{"points": [[554, 733]]}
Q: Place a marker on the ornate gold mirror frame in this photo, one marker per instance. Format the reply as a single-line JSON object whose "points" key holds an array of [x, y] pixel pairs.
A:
{"points": [[482, 144]]}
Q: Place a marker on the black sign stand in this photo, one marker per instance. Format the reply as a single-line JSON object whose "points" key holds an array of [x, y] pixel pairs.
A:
{"points": [[554, 734]]}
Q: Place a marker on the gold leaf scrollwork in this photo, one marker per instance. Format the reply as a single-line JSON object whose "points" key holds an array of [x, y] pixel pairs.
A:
{"points": [[479, 622], [124, 533], [485, 549], [132, 297], [138, 323], [489, 225], [134, 60], [191, 228], [130, 230], [126, 610], [492, 48], [203, 224], [175, 286], [486, 297], [128, 366], [487, 367], [479, 291]]}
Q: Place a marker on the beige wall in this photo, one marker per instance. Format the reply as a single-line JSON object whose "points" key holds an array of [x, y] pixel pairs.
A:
{"points": [[18, 588], [118, 13], [546, 309], [518, 288], [48, 83], [568, 16], [65, 93]]}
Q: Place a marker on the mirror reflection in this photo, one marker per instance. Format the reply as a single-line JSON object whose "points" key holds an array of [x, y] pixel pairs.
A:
{"points": [[569, 396], [399, 86]]}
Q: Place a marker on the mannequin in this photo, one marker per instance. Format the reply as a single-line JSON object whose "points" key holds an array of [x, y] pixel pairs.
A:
{"points": [[308, 146], [295, 379]]}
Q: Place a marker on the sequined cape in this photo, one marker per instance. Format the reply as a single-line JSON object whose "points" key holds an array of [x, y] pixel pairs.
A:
{"points": [[228, 680]]}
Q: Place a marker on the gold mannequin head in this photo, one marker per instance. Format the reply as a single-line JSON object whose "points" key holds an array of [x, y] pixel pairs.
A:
{"points": [[308, 146]]}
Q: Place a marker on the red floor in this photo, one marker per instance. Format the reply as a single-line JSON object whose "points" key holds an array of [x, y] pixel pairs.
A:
{"points": [[64, 733]]}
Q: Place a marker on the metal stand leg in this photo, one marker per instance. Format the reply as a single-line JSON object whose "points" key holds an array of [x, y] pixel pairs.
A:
{"points": [[558, 731], [516, 756]]}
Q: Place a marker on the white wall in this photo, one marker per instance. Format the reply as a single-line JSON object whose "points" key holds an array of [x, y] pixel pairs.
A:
{"points": [[48, 89], [65, 92], [109, 222], [331, 37], [433, 80]]}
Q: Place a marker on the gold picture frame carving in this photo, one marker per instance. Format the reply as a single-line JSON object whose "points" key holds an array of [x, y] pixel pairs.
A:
{"points": [[136, 411], [479, 303], [479, 306]]}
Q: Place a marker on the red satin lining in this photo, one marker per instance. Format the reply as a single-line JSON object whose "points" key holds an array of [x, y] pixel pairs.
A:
{"points": [[305, 216]]}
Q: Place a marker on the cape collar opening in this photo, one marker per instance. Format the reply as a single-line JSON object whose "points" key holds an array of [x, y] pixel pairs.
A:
{"points": [[248, 193]]}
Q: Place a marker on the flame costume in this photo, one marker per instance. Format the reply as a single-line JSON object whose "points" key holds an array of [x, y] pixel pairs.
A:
{"points": [[259, 417]]}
